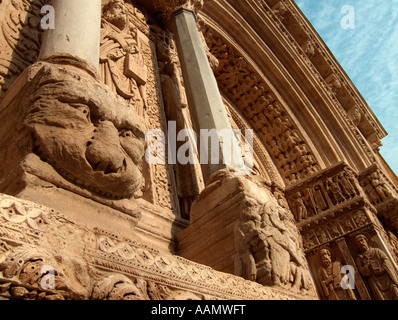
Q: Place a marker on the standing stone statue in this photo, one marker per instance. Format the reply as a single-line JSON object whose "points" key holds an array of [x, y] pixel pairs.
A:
{"points": [[380, 186], [121, 65], [374, 265]]}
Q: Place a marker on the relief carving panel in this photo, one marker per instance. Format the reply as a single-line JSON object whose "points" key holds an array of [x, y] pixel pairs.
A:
{"points": [[269, 250], [45, 256], [266, 114], [20, 38]]}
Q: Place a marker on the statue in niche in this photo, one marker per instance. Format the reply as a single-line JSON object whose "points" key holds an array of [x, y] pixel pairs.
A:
{"points": [[268, 248], [330, 276], [319, 198], [334, 189], [90, 136], [374, 265], [121, 65], [309, 202], [175, 102], [346, 186]]}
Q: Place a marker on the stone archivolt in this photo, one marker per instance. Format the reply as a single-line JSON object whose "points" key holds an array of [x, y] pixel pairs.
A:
{"points": [[20, 38]]}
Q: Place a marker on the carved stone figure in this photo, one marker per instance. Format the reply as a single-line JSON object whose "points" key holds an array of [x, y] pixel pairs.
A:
{"points": [[121, 65], [175, 103], [245, 232], [330, 276], [299, 208], [309, 202], [268, 249], [374, 265], [335, 190], [85, 132], [319, 198], [346, 187]]}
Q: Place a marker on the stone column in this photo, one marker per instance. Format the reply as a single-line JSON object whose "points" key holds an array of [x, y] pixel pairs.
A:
{"points": [[77, 30], [203, 95]]}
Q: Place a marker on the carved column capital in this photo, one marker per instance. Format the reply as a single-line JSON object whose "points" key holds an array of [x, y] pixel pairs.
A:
{"points": [[169, 7]]}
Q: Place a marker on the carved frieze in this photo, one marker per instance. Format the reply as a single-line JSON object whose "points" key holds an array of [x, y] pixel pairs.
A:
{"points": [[324, 192], [20, 38], [93, 138], [326, 230], [329, 205]]}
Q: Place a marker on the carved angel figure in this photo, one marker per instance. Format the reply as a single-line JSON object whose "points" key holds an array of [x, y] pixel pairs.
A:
{"points": [[268, 248]]}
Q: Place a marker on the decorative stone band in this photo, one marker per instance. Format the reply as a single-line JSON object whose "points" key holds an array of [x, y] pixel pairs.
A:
{"points": [[324, 192], [43, 255], [177, 272]]}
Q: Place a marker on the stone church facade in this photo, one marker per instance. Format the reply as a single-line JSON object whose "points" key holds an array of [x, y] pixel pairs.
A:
{"points": [[99, 109]]}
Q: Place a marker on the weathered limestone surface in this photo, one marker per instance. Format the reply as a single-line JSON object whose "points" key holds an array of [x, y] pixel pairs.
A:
{"points": [[238, 227], [84, 215], [68, 35]]}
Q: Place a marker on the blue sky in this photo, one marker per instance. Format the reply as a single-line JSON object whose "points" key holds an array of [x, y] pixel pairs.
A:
{"points": [[368, 53]]}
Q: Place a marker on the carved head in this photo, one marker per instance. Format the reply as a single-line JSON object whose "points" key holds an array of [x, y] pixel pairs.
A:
{"points": [[325, 256], [115, 12], [362, 242], [90, 136]]}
